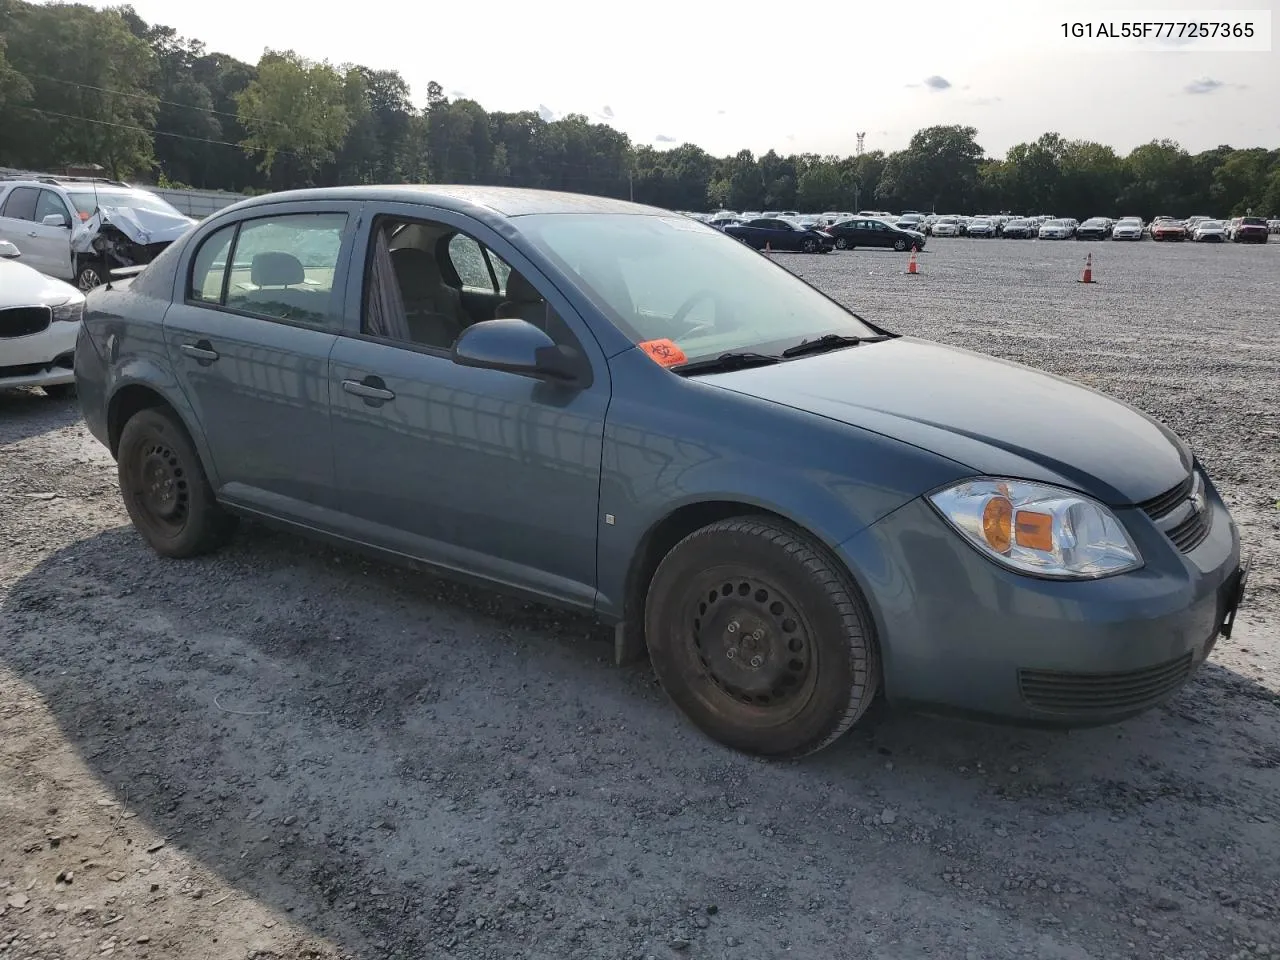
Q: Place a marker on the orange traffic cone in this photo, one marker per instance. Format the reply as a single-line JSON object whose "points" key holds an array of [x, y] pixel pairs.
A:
{"points": [[913, 269], [1088, 270]]}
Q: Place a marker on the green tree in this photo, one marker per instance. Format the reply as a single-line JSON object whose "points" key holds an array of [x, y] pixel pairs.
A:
{"points": [[1239, 183], [87, 104], [295, 109]]}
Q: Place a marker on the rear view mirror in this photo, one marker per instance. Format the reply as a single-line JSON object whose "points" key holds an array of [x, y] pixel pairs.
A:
{"points": [[8, 251], [55, 220]]}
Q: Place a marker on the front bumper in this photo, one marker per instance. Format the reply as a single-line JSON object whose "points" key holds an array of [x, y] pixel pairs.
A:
{"points": [[40, 360], [961, 633]]}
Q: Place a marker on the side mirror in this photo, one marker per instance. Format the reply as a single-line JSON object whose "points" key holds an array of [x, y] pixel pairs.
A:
{"points": [[8, 251], [514, 346], [56, 220]]}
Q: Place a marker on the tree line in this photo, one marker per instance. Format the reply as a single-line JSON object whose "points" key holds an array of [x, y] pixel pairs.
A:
{"points": [[143, 102]]}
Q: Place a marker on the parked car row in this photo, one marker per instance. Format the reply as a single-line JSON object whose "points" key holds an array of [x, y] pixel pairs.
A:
{"points": [[1200, 229]]}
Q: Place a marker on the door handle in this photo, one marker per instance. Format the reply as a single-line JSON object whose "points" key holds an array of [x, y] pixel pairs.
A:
{"points": [[371, 388], [201, 350]]}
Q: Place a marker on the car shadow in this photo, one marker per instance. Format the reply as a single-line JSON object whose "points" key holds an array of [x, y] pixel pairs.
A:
{"points": [[378, 753], [27, 412]]}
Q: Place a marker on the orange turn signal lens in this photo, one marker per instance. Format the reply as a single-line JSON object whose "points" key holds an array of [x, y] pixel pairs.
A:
{"points": [[1034, 530], [997, 524]]}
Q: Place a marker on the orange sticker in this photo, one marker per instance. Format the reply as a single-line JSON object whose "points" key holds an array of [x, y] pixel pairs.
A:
{"points": [[663, 352]]}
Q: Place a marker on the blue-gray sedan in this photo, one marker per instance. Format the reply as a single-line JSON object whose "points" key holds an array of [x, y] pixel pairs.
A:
{"points": [[623, 410]]}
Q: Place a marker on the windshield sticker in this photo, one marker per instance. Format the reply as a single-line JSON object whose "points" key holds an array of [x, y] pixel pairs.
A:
{"points": [[663, 352]]}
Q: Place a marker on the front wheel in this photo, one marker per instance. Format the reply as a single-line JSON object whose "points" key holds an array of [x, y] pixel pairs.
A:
{"points": [[165, 489], [809, 246], [90, 275], [842, 243], [899, 245], [759, 637]]}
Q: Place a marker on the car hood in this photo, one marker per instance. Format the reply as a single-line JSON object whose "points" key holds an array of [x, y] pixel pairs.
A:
{"points": [[995, 417], [140, 226], [23, 286]]}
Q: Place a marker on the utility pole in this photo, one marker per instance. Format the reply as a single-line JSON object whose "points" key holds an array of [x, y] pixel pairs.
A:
{"points": [[861, 138], [631, 185]]}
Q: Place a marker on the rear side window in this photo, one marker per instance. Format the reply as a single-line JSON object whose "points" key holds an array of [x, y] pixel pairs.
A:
{"points": [[279, 267], [21, 204], [210, 266]]}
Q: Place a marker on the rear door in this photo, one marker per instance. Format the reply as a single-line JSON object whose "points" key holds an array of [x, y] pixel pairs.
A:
{"points": [[249, 335]]}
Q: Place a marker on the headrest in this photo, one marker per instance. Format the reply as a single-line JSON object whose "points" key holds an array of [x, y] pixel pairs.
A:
{"points": [[416, 269], [521, 290], [276, 269]]}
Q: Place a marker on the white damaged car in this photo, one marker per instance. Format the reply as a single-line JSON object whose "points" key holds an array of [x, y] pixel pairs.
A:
{"points": [[39, 320], [84, 230]]}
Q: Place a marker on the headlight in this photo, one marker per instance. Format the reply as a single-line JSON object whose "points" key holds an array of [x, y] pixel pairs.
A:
{"points": [[71, 311], [1038, 529]]}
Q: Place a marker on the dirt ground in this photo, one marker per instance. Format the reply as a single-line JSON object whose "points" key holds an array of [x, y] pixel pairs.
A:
{"points": [[285, 752]]}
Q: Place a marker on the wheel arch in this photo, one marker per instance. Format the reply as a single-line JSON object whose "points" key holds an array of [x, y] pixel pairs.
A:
{"points": [[659, 539], [131, 398]]}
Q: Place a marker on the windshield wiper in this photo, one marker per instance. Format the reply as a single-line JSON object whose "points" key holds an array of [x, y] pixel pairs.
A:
{"points": [[829, 341], [734, 360]]}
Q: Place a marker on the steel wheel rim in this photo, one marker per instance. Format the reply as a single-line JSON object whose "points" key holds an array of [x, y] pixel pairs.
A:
{"points": [[751, 646], [162, 490]]}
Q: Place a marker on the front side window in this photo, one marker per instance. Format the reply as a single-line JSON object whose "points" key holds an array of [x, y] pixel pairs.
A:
{"points": [[672, 278], [284, 267], [51, 204]]}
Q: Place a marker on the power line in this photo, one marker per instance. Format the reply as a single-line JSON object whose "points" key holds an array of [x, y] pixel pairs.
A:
{"points": [[153, 99], [157, 133]]}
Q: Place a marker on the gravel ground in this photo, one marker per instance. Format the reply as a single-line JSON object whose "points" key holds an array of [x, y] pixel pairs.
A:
{"points": [[286, 752]]}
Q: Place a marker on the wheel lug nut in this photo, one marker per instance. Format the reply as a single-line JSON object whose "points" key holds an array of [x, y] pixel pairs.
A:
{"points": [[757, 660], [731, 653]]}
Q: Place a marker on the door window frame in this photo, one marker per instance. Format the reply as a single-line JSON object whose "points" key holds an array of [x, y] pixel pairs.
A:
{"points": [[361, 270], [333, 321]]}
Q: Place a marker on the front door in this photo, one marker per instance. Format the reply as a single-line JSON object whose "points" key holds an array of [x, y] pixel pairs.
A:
{"points": [[44, 248], [481, 471], [250, 341]]}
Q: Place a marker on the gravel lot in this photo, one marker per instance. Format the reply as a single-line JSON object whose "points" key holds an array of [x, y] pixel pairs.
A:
{"points": [[287, 752]]}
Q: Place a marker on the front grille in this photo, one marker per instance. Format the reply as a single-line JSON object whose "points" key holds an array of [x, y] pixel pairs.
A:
{"points": [[1165, 503], [1190, 533], [24, 321], [1180, 514], [1101, 693]]}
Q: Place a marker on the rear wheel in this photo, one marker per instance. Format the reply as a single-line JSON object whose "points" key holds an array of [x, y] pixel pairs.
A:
{"points": [[760, 638], [842, 243], [165, 488]]}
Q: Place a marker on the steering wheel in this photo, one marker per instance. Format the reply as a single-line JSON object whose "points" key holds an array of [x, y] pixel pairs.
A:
{"points": [[695, 298]]}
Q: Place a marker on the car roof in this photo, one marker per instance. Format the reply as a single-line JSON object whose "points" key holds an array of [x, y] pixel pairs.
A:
{"points": [[484, 203]]}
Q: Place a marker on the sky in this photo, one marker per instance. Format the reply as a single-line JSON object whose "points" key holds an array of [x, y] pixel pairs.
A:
{"points": [[795, 77]]}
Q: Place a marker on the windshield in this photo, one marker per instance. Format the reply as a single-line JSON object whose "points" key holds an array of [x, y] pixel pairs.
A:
{"points": [[659, 278], [86, 201], [1210, 224]]}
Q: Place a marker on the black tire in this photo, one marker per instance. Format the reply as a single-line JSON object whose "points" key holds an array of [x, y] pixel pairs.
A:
{"points": [[59, 391], [799, 617], [91, 274], [165, 488], [899, 245], [842, 243], [809, 245]]}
